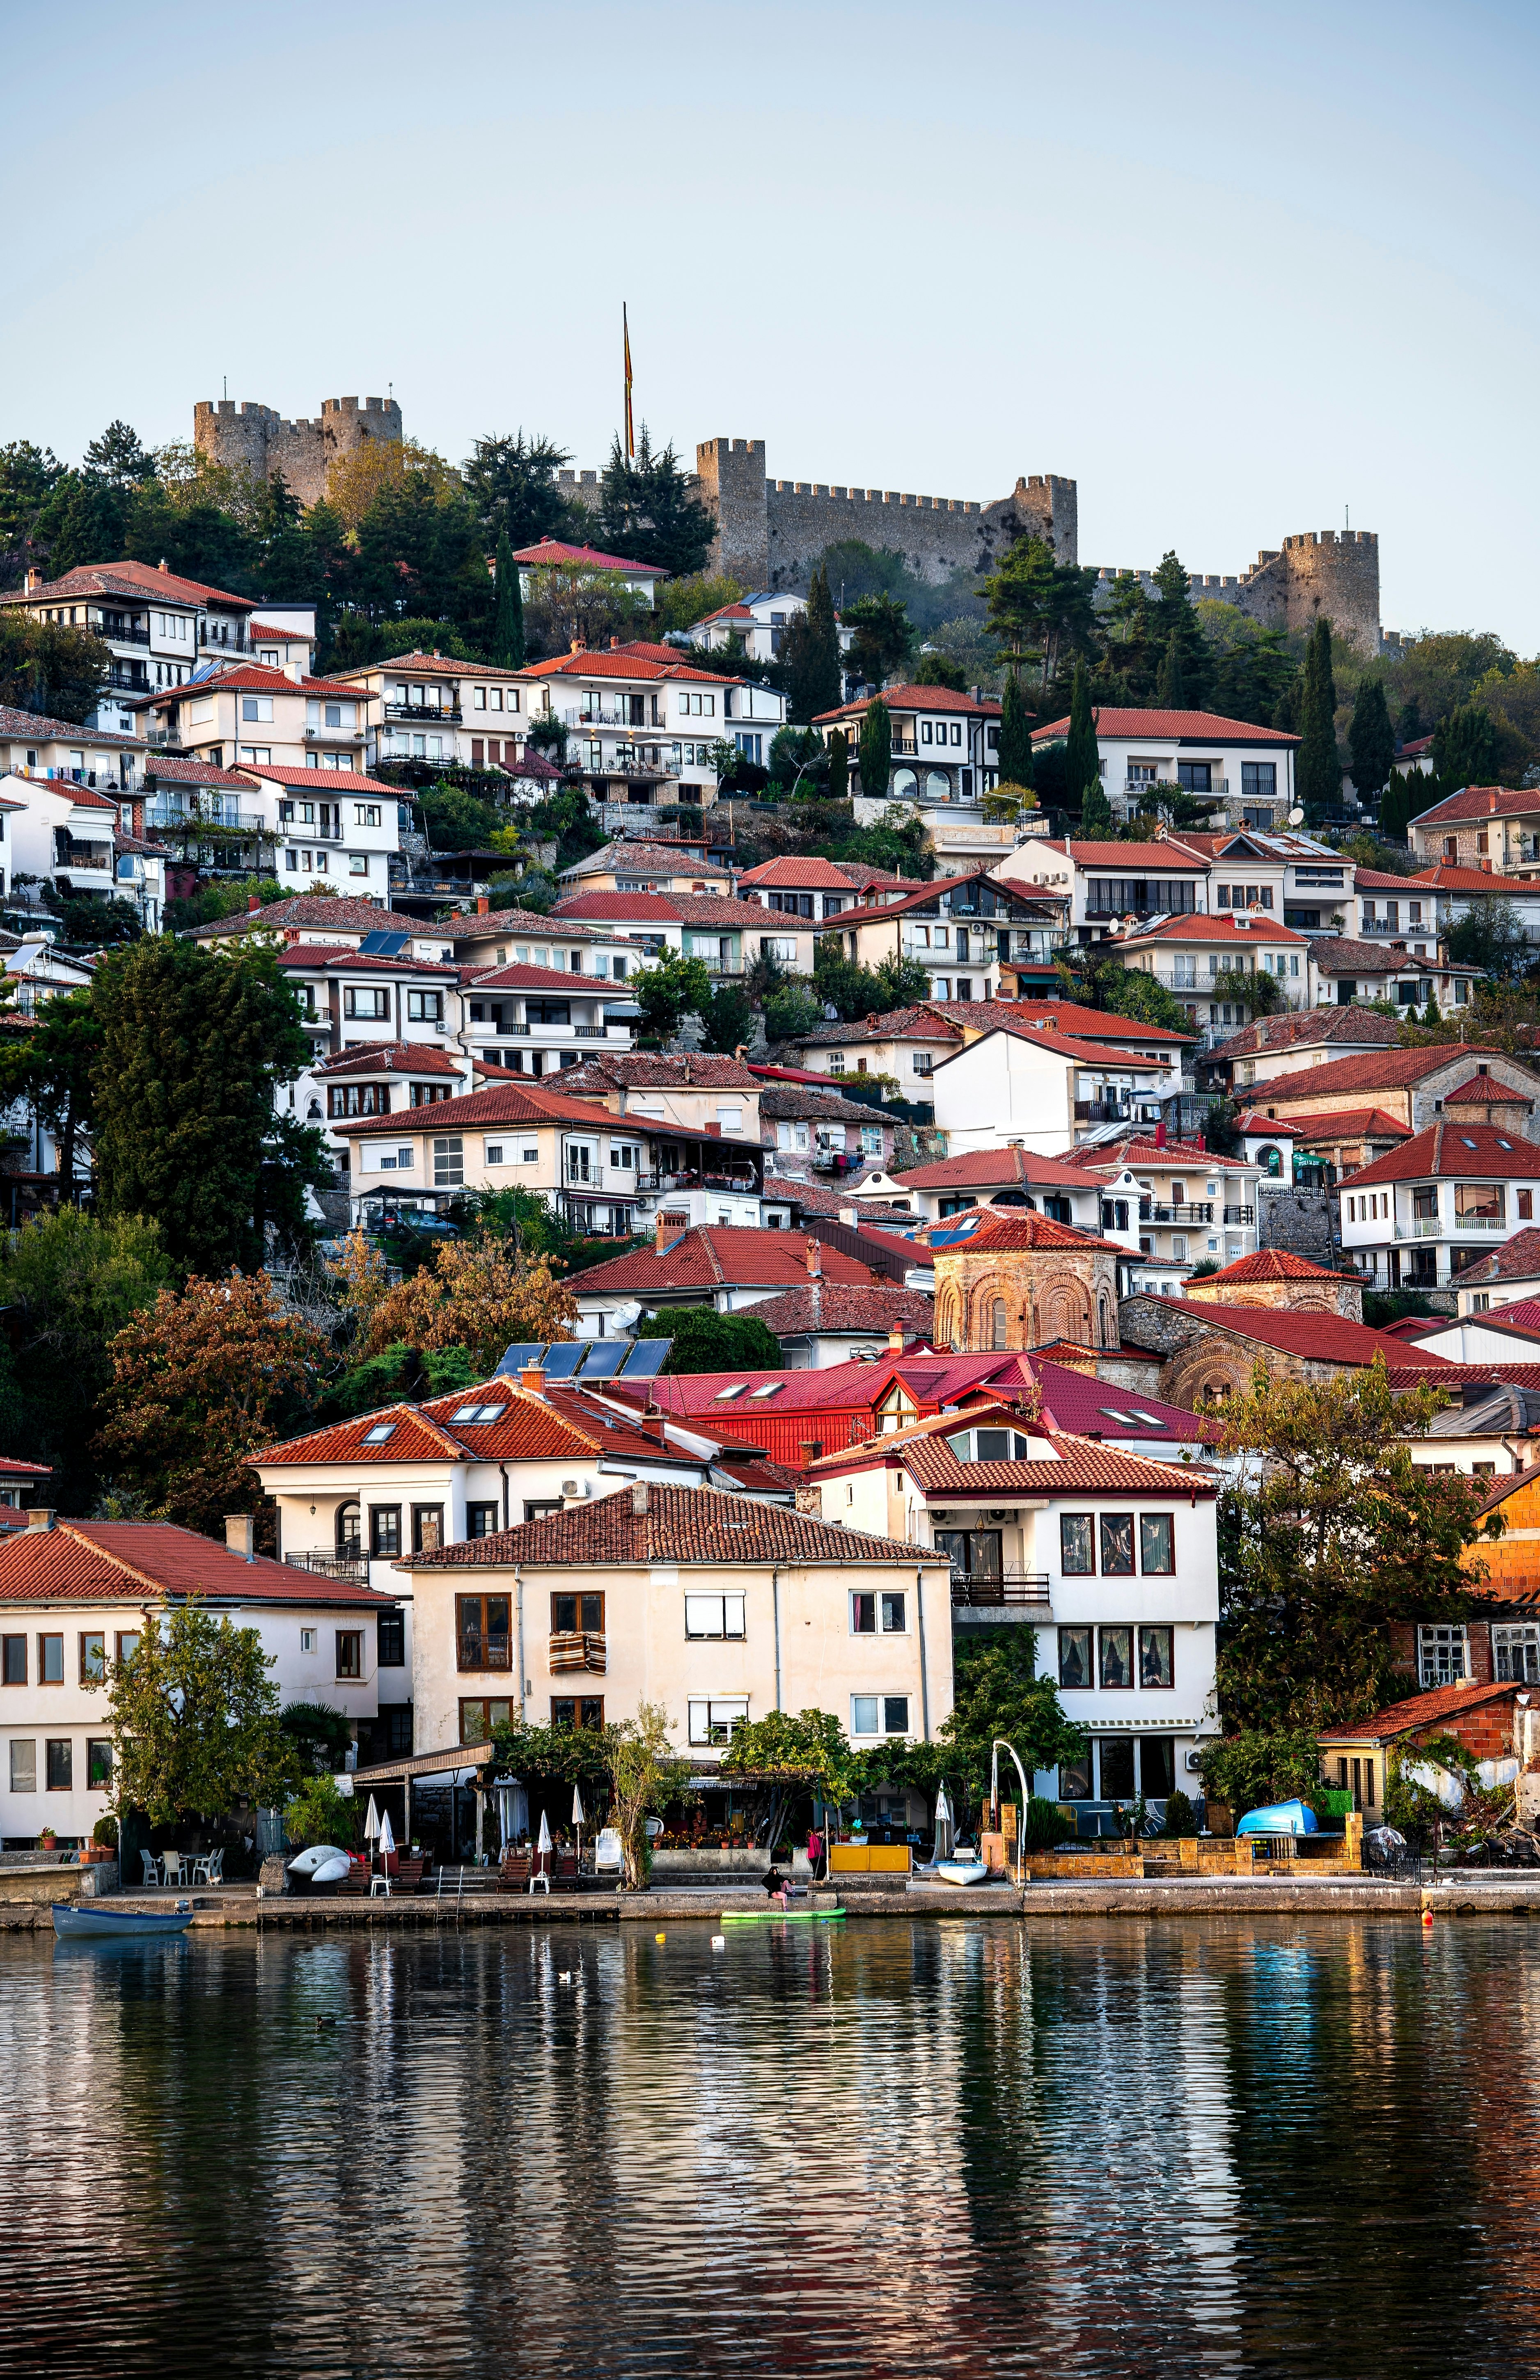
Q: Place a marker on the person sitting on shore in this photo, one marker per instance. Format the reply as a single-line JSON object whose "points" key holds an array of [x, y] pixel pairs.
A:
{"points": [[775, 1884]]}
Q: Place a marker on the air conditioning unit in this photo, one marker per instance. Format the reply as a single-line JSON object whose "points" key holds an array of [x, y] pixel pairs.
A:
{"points": [[1195, 1760]]}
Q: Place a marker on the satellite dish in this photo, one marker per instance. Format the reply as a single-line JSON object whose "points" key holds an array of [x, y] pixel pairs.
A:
{"points": [[1296, 817]]}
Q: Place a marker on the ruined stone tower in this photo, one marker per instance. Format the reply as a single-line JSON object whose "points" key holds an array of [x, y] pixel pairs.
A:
{"points": [[256, 439], [1330, 572], [771, 532]]}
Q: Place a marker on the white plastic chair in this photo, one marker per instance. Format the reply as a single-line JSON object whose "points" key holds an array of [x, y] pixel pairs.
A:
{"points": [[151, 1871], [608, 1854], [214, 1868], [171, 1862]]}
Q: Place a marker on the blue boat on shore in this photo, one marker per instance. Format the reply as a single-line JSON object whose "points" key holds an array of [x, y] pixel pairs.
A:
{"points": [[74, 1924]]}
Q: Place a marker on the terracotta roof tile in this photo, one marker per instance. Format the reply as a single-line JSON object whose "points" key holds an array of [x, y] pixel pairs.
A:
{"points": [[503, 1102], [1325, 1338], [339, 912], [191, 773], [1187, 727], [1376, 1070], [1480, 801], [1441, 1703], [243, 678], [669, 909], [551, 553], [119, 1560], [1310, 1027], [934, 698], [680, 1524], [723, 1255], [37, 723], [388, 1058], [650, 1069], [1222, 927], [1072, 1465], [1371, 1124], [1009, 1228], [839, 1307], [1456, 1151], [988, 1166], [1517, 1259], [325, 781], [137, 578], [1485, 1090], [1268, 1264]]}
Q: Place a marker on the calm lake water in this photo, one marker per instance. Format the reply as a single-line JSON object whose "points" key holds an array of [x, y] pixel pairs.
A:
{"points": [[960, 2148]]}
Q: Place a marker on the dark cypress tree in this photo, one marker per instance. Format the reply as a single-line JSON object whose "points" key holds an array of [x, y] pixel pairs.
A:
{"points": [[1395, 808], [839, 766], [826, 685], [1176, 615], [1319, 775], [1015, 735], [508, 619], [876, 749], [1465, 747], [1170, 684], [1081, 771], [1371, 739]]}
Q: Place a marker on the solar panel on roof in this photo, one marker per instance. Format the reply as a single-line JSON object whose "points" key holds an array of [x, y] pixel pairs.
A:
{"points": [[562, 1358], [383, 945], [523, 1351], [646, 1360], [605, 1358]]}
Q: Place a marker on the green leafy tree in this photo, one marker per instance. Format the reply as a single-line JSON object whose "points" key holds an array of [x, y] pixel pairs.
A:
{"points": [[666, 990], [1332, 1539], [27, 473], [1081, 760], [83, 519], [1015, 735], [935, 668], [194, 1722], [839, 766], [799, 761], [811, 669], [883, 639], [1257, 1766], [728, 1017], [321, 1736], [646, 513], [507, 637], [321, 1813], [684, 601], [1097, 981], [996, 1691], [453, 819], [791, 1012], [705, 1341], [1465, 749], [1260, 992], [50, 1060], [1491, 935], [1039, 608], [69, 1283], [854, 992], [1317, 771], [1371, 741], [876, 751], [511, 483], [195, 1044], [645, 1775], [48, 668]]}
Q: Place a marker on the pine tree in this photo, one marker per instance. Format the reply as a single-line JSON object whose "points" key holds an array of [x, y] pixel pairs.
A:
{"points": [[1170, 684], [1319, 776], [508, 619], [839, 766], [1465, 747], [1371, 739], [1081, 769], [876, 751], [1176, 616], [826, 683], [1015, 735]]}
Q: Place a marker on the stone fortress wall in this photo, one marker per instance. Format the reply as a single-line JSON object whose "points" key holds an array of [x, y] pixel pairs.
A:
{"points": [[256, 439]]}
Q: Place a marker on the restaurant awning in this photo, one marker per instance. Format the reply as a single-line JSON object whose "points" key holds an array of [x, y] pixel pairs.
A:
{"points": [[425, 1764]]}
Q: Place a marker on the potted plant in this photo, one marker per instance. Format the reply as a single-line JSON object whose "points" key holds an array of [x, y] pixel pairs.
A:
{"points": [[48, 1840]]}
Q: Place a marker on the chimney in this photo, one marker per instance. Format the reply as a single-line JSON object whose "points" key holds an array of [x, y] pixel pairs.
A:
{"points": [[165, 565], [895, 1340], [252, 904], [614, 644], [40, 1516], [483, 904], [638, 1496], [662, 1230], [533, 1378], [241, 1535], [577, 646], [34, 580], [815, 1260]]}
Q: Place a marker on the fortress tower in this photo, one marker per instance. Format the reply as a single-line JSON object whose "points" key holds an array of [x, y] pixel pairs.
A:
{"points": [[256, 439], [1334, 572]]}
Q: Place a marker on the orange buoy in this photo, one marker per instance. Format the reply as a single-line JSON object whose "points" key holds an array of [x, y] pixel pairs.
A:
{"points": [[1427, 1917]]}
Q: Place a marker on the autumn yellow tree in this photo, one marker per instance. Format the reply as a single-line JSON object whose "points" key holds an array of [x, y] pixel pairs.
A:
{"points": [[200, 1381], [354, 480], [477, 1295]]}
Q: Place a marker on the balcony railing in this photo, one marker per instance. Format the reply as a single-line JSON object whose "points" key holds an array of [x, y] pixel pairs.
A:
{"points": [[578, 1649], [334, 734], [418, 715], [351, 1567], [1191, 1211], [1013, 1585], [588, 1032], [178, 821], [1217, 789], [122, 635], [1234, 1215]]}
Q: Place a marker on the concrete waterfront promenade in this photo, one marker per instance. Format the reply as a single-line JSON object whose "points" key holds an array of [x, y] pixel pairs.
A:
{"points": [[1473, 1893]]}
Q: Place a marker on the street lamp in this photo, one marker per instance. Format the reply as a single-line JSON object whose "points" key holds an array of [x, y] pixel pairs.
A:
{"points": [[999, 1746]]}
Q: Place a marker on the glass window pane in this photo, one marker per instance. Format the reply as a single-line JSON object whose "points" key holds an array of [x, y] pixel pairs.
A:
{"points": [[1117, 1768], [1074, 1778], [893, 1615], [1157, 1542], [895, 1713], [1117, 1545], [1077, 1552], [24, 1764], [51, 1661], [1155, 1656], [862, 1714], [1074, 1656], [862, 1615], [1117, 1656], [98, 1762], [61, 1764], [1157, 1765]]}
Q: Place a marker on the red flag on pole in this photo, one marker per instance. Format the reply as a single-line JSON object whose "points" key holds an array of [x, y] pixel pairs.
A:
{"points": [[630, 432]]}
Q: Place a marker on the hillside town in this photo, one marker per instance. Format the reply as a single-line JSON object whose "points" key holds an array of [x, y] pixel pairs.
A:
{"points": [[838, 1149]]}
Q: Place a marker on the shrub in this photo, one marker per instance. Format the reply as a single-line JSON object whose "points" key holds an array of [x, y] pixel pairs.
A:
{"points": [[1180, 1816], [1042, 1824], [319, 1813]]}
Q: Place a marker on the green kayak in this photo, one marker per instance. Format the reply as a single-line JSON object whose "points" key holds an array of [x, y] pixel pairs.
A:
{"points": [[779, 1916]]}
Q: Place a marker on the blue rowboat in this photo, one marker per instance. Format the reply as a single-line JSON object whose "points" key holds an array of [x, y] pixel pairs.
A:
{"points": [[75, 1924]]}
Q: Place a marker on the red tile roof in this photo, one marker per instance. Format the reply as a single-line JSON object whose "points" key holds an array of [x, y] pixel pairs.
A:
{"points": [[1311, 1027], [192, 772], [1371, 1124], [504, 1102], [554, 1426], [137, 578], [1065, 1016], [847, 1309], [11, 1468], [1485, 1090], [1068, 1466], [243, 678], [389, 1057], [721, 1256], [325, 781], [1341, 954], [1182, 727], [551, 553], [1455, 1151], [468, 926], [1261, 1128], [121, 1562], [1445, 879], [671, 909], [1223, 927], [348, 961], [988, 1166], [1376, 1070], [804, 875], [339, 912], [933, 698], [423, 665], [517, 975], [629, 662], [1322, 1337], [679, 1525], [37, 723], [1440, 1704], [1136, 1148], [1480, 801], [1136, 858], [1013, 1228], [651, 1070], [621, 856], [1268, 1264], [1517, 1259], [914, 896]]}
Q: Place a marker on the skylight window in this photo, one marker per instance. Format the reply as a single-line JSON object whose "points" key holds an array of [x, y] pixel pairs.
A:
{"points": [[770, 1389], [725, 1396], [378, 1435], [1503, 1144], [479, 1412], [1469, 1143]]}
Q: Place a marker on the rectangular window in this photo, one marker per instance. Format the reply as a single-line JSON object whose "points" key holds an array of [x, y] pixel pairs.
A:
{"points": [[449, 1164], [425, 1007], [895, 1713], [384, 1531], [99, 1763], [481, 1630], [1117, 1545], [862, 1615], [257, 707], [50, 1660], [481, 1520], [494, 1150], [24, 1764], [392, 1654], [1117, 1656], [1483, 1198], [577, 1615], [61, 1764], [1157, 1544], [890, 1613], [372, 1001], [1442, 1655], [1074, 1779], [579, 1711], [93, 1658], [426, 1528], [128, 1643], [13, 1660], [350, 1652], [477, 1719], [712, 1722], [1155, 1656], [862, 1714], [1076, 1545], [1074, 1656], [1516, 1653], [714, 1615], [1117, 1768]]}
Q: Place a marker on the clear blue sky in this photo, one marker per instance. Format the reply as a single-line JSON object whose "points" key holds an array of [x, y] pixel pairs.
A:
{"points": [[1231, 268]]}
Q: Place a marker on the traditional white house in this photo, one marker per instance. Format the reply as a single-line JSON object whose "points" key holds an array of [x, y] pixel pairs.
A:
{"points": [[1481, 828], [1198, 957], [1110, 1557], [727, 936], [250, 715], [1097, 885], [646, 724], [157, 627], [1415, 1216], [1047, 1089], [641, 579], [78, 1596], [1247, 771], [759, 620], [426, 707], [964, 929]]}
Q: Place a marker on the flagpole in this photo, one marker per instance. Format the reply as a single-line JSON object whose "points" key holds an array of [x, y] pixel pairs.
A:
{"points": [[626, 340]]}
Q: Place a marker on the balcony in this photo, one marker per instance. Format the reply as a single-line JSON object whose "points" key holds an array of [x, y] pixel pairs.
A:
{"points": [[334, 734], [1390, 928], [1139, 788], [578, 1649], [588, 1032], [169, 818], [417, 714], [1192, 1211], [1237, 1215], [1013, 1585], [599, 717], [1103, 1112], [125, 634], [351, 1567]]}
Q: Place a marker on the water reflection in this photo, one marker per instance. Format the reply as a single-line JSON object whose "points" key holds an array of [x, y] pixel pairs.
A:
{"points": [[940, 2149]]}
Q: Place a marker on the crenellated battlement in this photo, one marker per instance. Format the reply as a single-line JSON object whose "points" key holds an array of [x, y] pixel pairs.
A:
{"points": [[1330, 572], [257, 439]]}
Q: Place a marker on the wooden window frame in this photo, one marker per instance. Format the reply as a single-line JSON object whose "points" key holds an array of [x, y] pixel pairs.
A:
{"points": [[93, 1636], [485, 1636], [50, 1636], [378, 1551], [354, 1636]]}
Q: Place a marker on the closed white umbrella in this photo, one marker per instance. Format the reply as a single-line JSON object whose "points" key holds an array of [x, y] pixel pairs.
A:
{"points": [[371, 1824], [944, 1826], [387, 1840], [543, 1847], [577, 1821]]}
